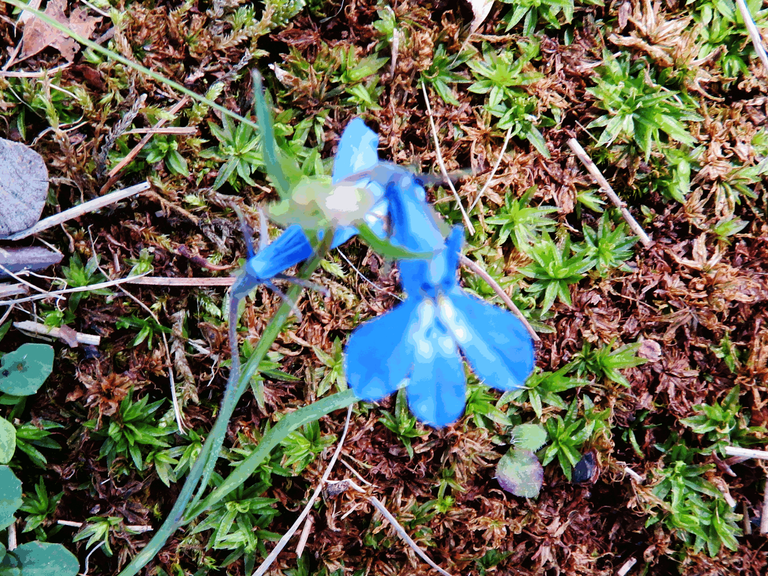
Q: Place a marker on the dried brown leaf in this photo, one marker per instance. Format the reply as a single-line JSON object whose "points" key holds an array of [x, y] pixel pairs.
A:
{"points": [[38, 35]]}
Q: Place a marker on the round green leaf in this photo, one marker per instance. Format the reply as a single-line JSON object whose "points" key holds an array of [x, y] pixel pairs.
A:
{"points": [[25, 369], [44, 559], [10, 496], [529, 437], [7, 441], [520, 473]]}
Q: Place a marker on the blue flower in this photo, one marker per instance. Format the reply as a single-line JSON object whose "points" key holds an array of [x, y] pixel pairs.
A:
{"points": [[357, 153], [422, 339]]}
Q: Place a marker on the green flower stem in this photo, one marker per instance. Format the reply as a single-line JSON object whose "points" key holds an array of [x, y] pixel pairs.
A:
{"points": [[292, 422], [123, 60], [206, 461]]}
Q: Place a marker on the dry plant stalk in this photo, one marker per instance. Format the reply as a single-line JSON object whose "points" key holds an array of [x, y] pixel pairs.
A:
{"points": [[79, 210], [606, 187], [37, 328], [262, 569], [439, 156], [477, 269]]}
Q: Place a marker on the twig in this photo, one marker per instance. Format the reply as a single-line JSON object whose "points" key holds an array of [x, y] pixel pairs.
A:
{"points": [[12, 290], [477, 269], [376, 503], [746, 453], [12, 536], [18, 278], [76, 211], [626, 567], [59, 293], [115, 172], [262, 569], [439, 156], [135, 528], [631, 473], [6, 314], [746, 522], [495, 168], [180, 282], [764, 514], [754, 33], [376, 286], [304, 536], [37, 328], [40, 74], [177, 130], [606, 187], [88, 558]]}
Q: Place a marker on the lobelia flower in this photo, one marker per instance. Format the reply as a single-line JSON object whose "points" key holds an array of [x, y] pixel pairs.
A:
{"points": [[357, 171], [423, 338]]}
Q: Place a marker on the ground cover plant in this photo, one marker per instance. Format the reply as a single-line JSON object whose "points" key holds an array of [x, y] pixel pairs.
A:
{"points": [[651, 360]]}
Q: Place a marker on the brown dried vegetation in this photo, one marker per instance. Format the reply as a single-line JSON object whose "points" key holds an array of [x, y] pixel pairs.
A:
{"points": [[682, 296]]}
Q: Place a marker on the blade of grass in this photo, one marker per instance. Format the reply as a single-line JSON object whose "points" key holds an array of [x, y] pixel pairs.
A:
{"points": [[268, 138], [206, 461]]}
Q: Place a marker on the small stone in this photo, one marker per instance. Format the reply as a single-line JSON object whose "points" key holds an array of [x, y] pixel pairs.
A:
{"points": [[23, 187]]}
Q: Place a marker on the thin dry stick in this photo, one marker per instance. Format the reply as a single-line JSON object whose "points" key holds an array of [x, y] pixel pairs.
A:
{"points": [[135, 528], [754, 33], [603, 183], [59, 293], [764, 517], [626, 567], [18, 278], [439, 155], [181, 282], [477, 269], [495, 168], [746, 453], [37, 328], [177, 130], [40, 74], [262, 569], [88, 558], [379, 288], [398, 528], [304, 537], [115, 172], [631, 473], [76, 211], [12, 290]]}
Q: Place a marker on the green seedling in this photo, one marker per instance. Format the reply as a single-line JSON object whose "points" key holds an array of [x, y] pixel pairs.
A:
{"points": [[605, 363], [402, 423], [165, 149], [520, 221], [40, 507], [302, 447], [723, 424], [554, 269], [500, 76], [532, 11], [607, 248], [543, 388], [637, 110]]}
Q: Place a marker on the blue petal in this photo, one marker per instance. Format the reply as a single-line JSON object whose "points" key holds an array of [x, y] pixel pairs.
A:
{"points": [[495, 343], [288, 249], [414, 223], [358, 150], [437, 391], [379, 353], [427, 277]]}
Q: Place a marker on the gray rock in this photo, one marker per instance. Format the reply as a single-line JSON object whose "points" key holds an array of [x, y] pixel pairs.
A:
{"points": [[23, 187]]}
